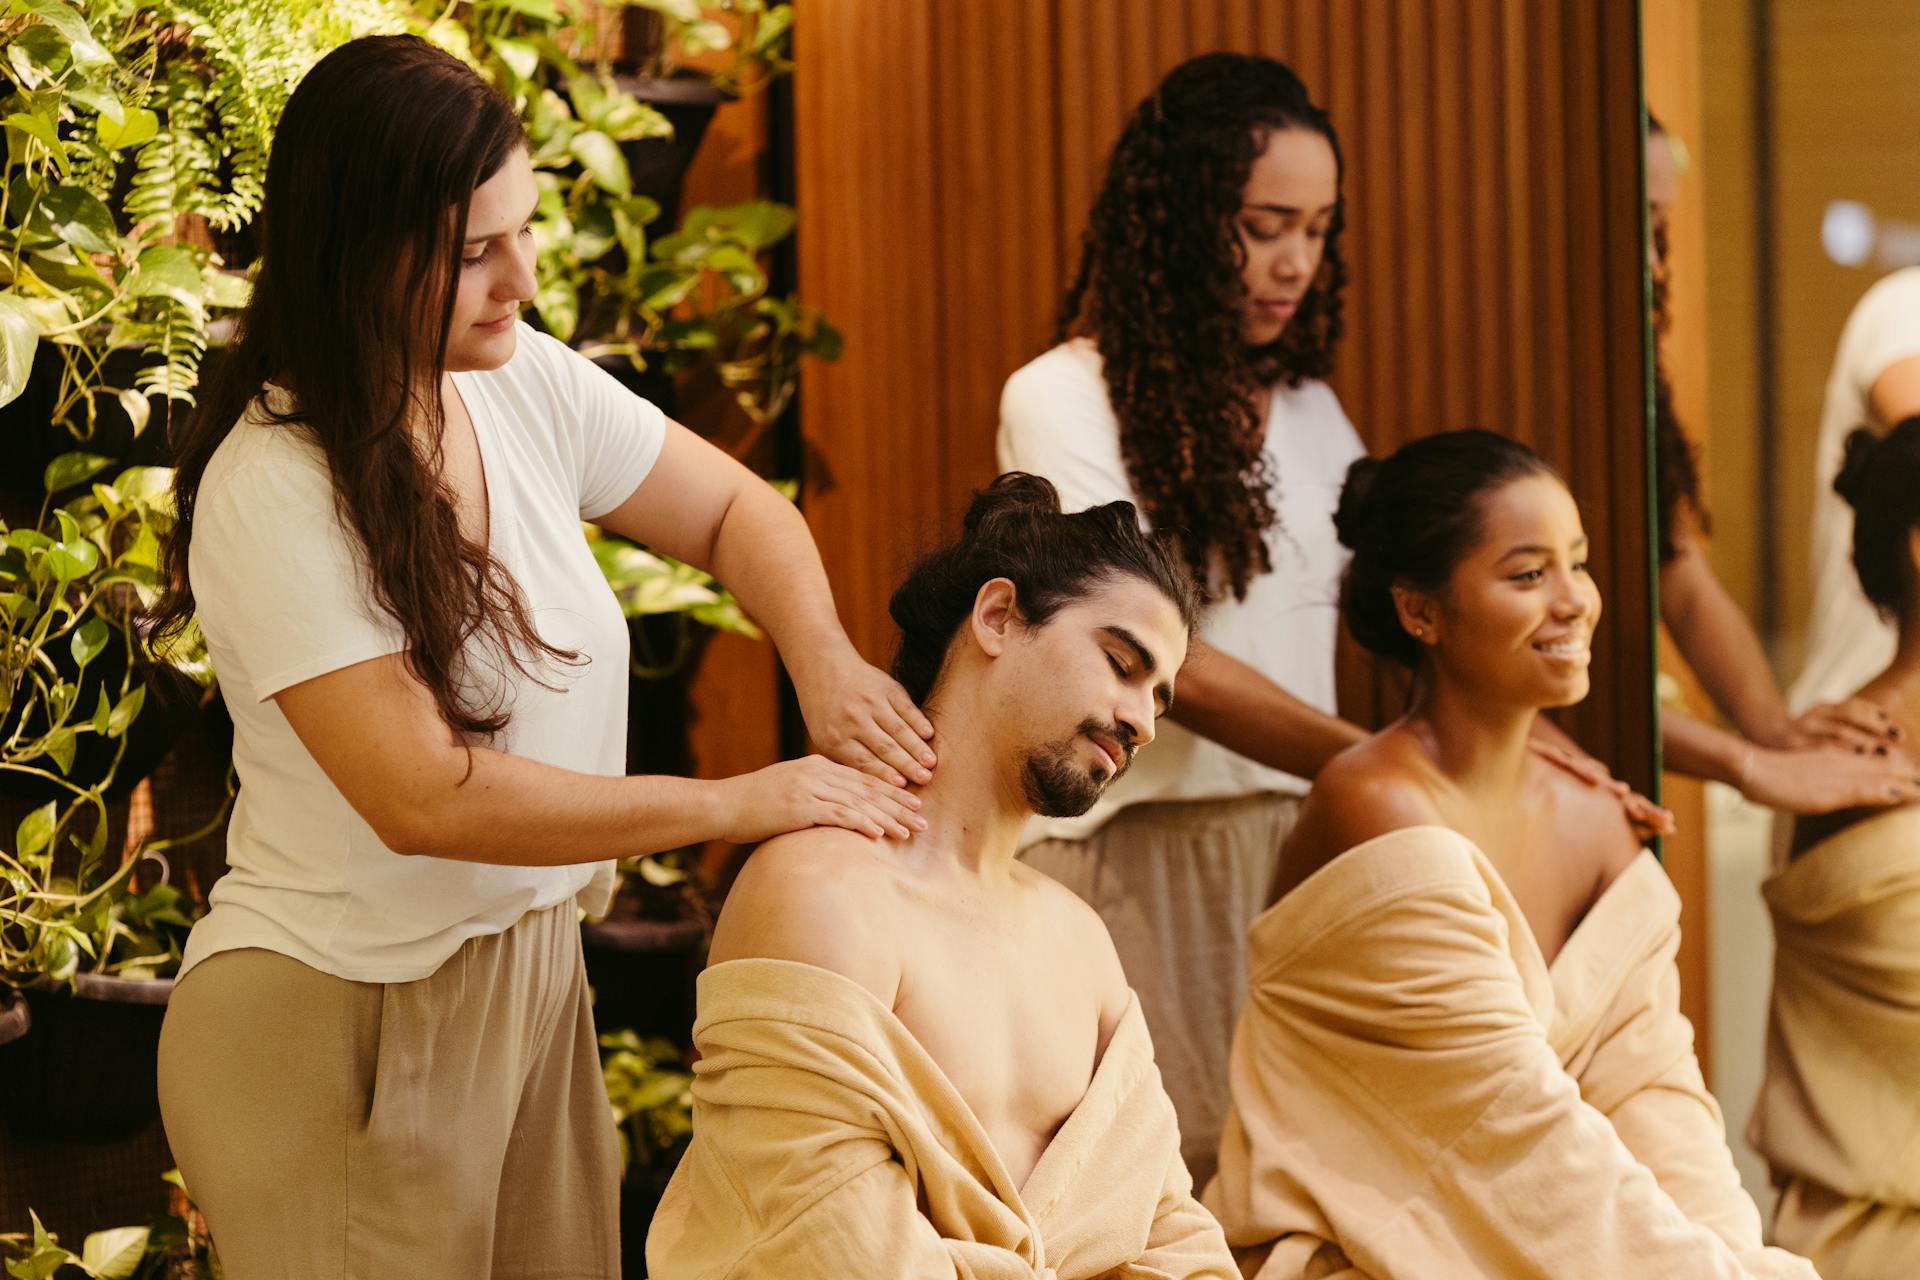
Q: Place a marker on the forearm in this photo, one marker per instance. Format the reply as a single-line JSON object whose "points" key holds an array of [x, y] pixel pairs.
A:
{"points": [[512, 811], [1228, 702], [765, 554], [1699, 750], [1719, 643], [868, 1226], [1674, 1127]]}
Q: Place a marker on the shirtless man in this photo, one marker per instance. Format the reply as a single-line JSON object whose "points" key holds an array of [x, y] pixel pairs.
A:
{"points": [[1043, 647]]}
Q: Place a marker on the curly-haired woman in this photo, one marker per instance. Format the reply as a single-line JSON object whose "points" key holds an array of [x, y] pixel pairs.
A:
{"points": [[1187, 380]]}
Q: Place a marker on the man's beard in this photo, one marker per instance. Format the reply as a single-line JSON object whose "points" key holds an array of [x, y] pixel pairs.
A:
{"points": [[1058, 787]]}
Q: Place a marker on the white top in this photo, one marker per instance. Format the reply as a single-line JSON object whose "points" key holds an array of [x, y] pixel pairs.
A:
{"points": [[1848, 642], [283, 595], [1057, 421]]}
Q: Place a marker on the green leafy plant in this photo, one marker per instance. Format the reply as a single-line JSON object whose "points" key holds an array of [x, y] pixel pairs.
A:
{"points": [[753, 36], [115, 1254], [651, 1091], [174, 1246], [127, 123], [650, 585], [754, 342], [696, 295], [71, 588]]}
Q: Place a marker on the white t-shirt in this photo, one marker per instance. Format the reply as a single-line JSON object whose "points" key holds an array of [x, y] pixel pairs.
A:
{"points": [[283, 595], [1056, 421], [1848, 642]]}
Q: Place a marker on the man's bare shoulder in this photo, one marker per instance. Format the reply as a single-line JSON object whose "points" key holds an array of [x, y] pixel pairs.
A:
{"points": [[1379, 785], [1069, 914], [815, 897], [1089, 947]]}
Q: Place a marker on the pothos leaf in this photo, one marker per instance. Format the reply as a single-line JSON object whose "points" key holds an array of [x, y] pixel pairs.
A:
{"points": [[35, 831], [19, 338]]}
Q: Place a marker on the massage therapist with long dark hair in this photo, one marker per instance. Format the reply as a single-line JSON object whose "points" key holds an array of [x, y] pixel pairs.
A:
{"points": [[380, 1058]]}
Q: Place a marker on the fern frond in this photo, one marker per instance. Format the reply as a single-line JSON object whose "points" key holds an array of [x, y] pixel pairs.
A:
{"points": [[178, 343]]}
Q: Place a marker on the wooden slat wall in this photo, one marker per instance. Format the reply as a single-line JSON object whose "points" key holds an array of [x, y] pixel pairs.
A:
{"points": [[735, 694], [1846, 126], [1673, 87], [947, 155]]}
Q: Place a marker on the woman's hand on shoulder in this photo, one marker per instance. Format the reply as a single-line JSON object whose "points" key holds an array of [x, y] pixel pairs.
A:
{"points": [[814, 791], [861, 717], [1858, 724], [1646, 818], [1827, 779]]}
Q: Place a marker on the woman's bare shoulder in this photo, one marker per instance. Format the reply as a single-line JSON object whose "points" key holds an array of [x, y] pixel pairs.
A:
{"points": [[1590, 824], [1385, 783]]}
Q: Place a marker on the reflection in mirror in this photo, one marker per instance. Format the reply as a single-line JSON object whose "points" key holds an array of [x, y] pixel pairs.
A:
{"points": [[1785, 230]]}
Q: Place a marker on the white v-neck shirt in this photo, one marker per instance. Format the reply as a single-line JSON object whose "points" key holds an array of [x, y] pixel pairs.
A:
{"points": [[1057, 421], [283, 595]]}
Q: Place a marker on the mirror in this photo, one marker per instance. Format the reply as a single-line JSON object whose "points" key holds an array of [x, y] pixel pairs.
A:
{"points": [[1786, 174]]}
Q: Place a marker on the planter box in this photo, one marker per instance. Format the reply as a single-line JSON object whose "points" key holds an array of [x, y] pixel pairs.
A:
{"points": [[659, 165], [86, 1072], [643, 973], [640, 1197], [14, 1018]]}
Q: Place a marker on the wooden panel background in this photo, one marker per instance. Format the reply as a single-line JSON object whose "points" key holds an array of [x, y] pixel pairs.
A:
{"points": [[946, 156], [1671, 52], [735, 695], [1845, 126]]}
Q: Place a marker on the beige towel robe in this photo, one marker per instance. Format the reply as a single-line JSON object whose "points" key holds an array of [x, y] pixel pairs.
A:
{"points": [[1418, 1096], [1838, 1116], [827, 1145]]}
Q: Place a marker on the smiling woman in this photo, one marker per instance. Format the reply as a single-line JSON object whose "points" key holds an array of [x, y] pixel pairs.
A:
{"points": [[496, 265], [1467, 984]]}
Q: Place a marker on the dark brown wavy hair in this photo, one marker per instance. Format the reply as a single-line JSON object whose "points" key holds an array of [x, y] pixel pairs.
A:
{"points": [[1676, 463], [374, 162], [1014, 529], [1159, 290]]}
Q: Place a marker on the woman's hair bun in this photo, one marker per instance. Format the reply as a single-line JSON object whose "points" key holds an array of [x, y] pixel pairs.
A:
{"points": [[1856, 465], [1409, 519], [1880, 479], [1351, 517]]}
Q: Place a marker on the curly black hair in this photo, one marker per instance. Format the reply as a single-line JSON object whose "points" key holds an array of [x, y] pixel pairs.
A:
{"points": [[1159, 290], [1676, 463]]}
